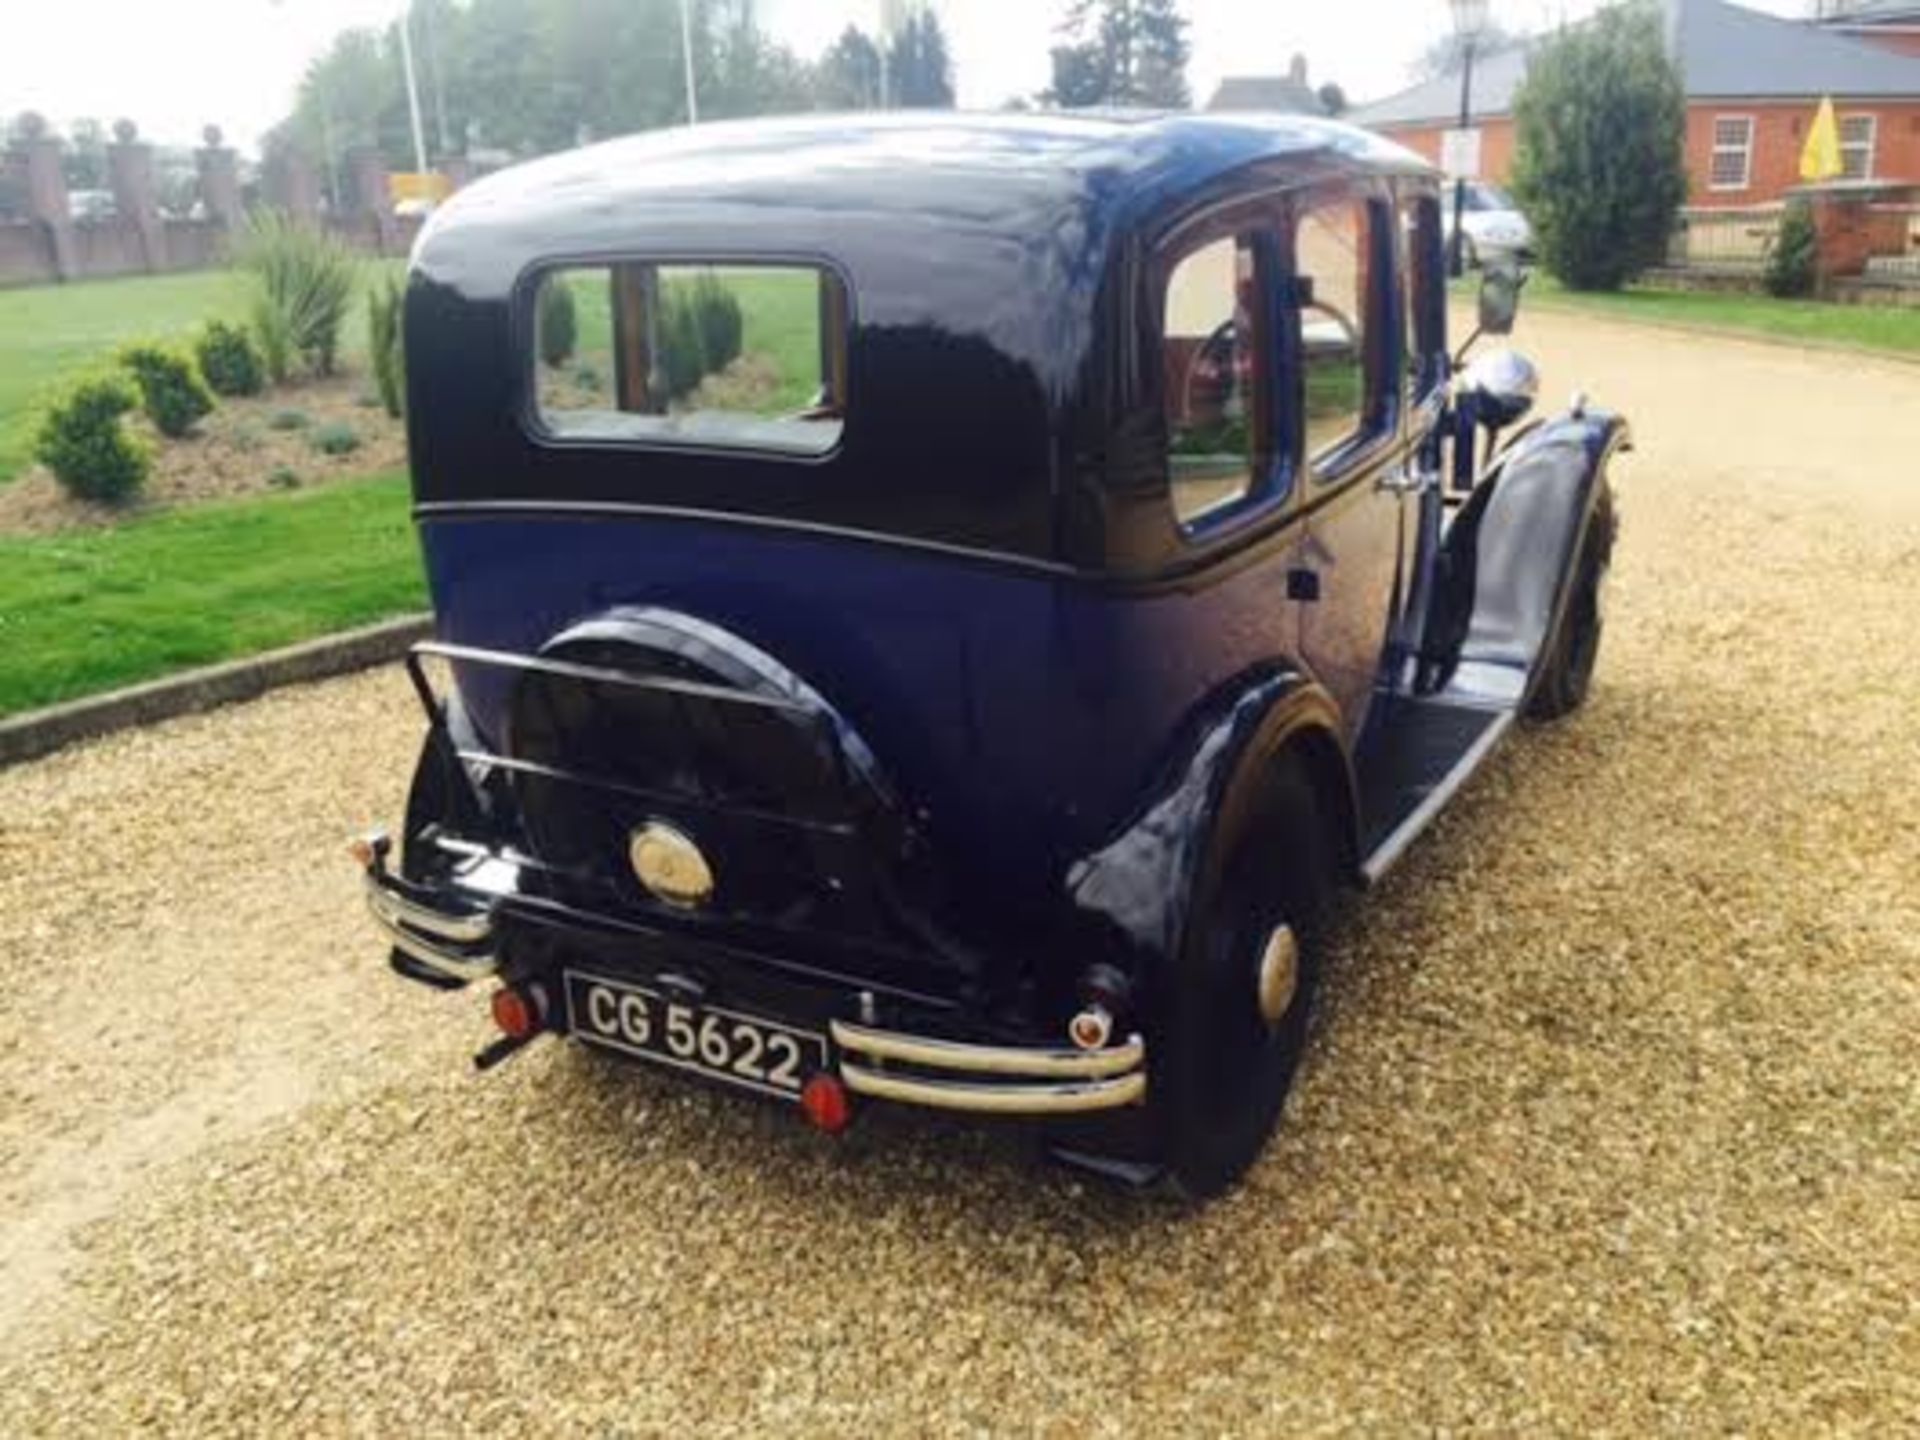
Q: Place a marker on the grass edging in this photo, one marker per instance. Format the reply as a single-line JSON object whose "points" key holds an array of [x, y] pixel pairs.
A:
{"points": [[1610, 315], [40, 732]]}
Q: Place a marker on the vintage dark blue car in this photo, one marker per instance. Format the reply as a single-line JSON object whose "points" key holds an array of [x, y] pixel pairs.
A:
{"points": [[931, 608]]}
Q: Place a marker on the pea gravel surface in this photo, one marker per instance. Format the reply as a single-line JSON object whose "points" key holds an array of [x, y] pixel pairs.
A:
{"points": [[1610, 1122]]}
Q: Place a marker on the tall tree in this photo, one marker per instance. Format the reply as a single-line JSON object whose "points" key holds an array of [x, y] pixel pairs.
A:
{"points": [[848, 77], [1599, 161], [1446, 53], [919, 74], [1121, 52]]}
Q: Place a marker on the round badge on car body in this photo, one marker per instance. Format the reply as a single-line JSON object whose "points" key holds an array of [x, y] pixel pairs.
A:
{"points": [[669, 864]]}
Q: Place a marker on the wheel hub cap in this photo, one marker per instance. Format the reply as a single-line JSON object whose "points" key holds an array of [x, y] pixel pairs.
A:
{"points": [[1278, 975]]}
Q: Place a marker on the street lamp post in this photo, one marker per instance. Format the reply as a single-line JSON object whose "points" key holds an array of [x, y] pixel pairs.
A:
{"points": [[1469, 19]]}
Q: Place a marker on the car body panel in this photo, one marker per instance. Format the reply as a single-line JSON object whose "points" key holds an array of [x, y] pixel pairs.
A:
{"points": [[1040, 698]]}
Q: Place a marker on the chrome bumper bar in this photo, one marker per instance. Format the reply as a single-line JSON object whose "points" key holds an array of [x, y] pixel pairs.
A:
{"points": [[454, 944], [1012, 1080]]}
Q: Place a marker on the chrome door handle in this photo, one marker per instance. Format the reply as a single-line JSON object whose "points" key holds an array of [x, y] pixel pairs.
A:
{"points": [[1403, 482]]}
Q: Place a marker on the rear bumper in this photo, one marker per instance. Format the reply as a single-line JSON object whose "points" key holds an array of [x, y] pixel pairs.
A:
{"points": [[453, 945], [989, 1079], [449, 943]]}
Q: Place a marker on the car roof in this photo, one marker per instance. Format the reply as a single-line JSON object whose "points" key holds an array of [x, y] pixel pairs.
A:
{"points": [[1041, 169]]}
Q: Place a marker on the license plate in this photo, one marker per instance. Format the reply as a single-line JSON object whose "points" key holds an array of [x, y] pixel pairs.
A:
{"points": [[747, 1050]]}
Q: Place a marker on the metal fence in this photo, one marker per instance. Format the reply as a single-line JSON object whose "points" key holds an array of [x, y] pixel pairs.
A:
{"points": [[1724, 239]]}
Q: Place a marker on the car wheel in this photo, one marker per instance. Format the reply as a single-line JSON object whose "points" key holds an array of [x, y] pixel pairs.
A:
{"points": [[1244, 994], [1566, 673]]}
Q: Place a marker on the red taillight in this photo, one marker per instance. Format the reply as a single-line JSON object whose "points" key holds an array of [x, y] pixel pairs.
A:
{"points": [[517, 1015], [824, 1100]]}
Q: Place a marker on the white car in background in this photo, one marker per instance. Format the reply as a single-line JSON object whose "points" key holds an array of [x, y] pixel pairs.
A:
{"points": [[1492, 225]]}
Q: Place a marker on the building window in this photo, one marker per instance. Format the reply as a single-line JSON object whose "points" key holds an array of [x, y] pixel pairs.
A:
{"points": [[1732, 162], [1856, 147]]}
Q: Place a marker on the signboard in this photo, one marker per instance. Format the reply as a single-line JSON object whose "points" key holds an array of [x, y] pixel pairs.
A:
{"points": [[1460, 154]]}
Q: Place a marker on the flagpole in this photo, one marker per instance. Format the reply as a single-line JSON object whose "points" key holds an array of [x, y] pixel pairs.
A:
{"points": [[413, 92], [686, 55]]}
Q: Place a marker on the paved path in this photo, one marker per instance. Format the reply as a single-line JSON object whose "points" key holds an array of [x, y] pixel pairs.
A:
{"points": [[1611, 1121]]}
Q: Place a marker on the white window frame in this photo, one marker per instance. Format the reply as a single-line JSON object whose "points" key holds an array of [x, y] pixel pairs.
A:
{"points": [[1744, 150], [1872, 142]]}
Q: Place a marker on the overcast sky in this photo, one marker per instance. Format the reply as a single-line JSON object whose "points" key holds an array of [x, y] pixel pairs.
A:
{"points": [[174, 65]]}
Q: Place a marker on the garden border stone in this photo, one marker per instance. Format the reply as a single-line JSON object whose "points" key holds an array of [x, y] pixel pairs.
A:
{"points": [[35, 733]]}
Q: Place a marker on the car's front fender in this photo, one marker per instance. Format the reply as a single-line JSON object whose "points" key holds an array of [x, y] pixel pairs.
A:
{"points": [[1509, 556]]}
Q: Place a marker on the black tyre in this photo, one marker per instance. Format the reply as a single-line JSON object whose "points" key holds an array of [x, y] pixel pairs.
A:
{"points": [[1230, 1051], [1566, 673]]}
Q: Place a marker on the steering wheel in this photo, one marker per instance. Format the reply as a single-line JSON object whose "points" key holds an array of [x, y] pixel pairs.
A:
{"points": [[1212, 361], [1349, 331]]}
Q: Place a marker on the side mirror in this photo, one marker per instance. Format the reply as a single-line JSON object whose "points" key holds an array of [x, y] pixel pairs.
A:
{"points": [[1499, 298]]}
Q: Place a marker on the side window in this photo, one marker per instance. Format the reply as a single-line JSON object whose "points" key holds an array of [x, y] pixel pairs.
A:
{"points": [[1214, 357], [1426, 301], [748, 357], [1334, 246]]}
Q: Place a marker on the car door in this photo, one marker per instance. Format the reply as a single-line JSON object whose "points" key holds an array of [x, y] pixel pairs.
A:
{"points": [[1345, 404]]}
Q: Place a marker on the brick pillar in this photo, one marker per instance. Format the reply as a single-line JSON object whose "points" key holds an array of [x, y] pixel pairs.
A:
{"points": [[1848, 229], [219, 181], [130, 173], [372, 199], [39, 161], [291, 185]]}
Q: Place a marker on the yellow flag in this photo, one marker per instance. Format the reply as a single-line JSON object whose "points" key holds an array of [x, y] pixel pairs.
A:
{"points": [[1820, 157]]}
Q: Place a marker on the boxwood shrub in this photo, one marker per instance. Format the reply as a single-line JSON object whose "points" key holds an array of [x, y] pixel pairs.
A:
{"points": [[82, 441]]}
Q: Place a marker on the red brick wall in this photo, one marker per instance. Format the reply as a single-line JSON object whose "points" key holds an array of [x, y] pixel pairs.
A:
{"points": [[1496, 145], [1779, 132]]}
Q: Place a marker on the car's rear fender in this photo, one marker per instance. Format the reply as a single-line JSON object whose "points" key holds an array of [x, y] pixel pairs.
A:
{"points": [[1143, 887]]}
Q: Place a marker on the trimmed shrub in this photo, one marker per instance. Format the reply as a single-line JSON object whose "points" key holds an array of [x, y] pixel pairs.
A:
{"points": [[1599, 164], [700, 332], [228, 359], [171, 390], [83, 442], [1794, 252], [305, 283], [335, 438], [287, 420], [384, 346], [284, 477], [559, 327], [717, 321], [679, 337]]}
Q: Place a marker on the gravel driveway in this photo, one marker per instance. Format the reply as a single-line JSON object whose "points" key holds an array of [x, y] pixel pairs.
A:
{"points": [[1611, 1123]]}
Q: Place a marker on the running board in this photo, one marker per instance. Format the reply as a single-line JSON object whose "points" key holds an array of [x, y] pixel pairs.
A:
{"points": [[1413, 766]]}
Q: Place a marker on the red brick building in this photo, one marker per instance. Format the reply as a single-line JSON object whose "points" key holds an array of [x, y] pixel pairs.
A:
{"points": [[1752, 82]]}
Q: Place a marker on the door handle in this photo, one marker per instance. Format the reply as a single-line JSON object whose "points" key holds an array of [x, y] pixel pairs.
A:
{"points": [[1405, 482]]}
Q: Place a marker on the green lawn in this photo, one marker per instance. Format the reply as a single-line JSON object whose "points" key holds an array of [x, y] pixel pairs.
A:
{"points": [[86, 611], [1872, 327]]}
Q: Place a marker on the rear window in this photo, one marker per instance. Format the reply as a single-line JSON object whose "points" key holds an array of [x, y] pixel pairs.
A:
{"points": [[740, 356]]}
